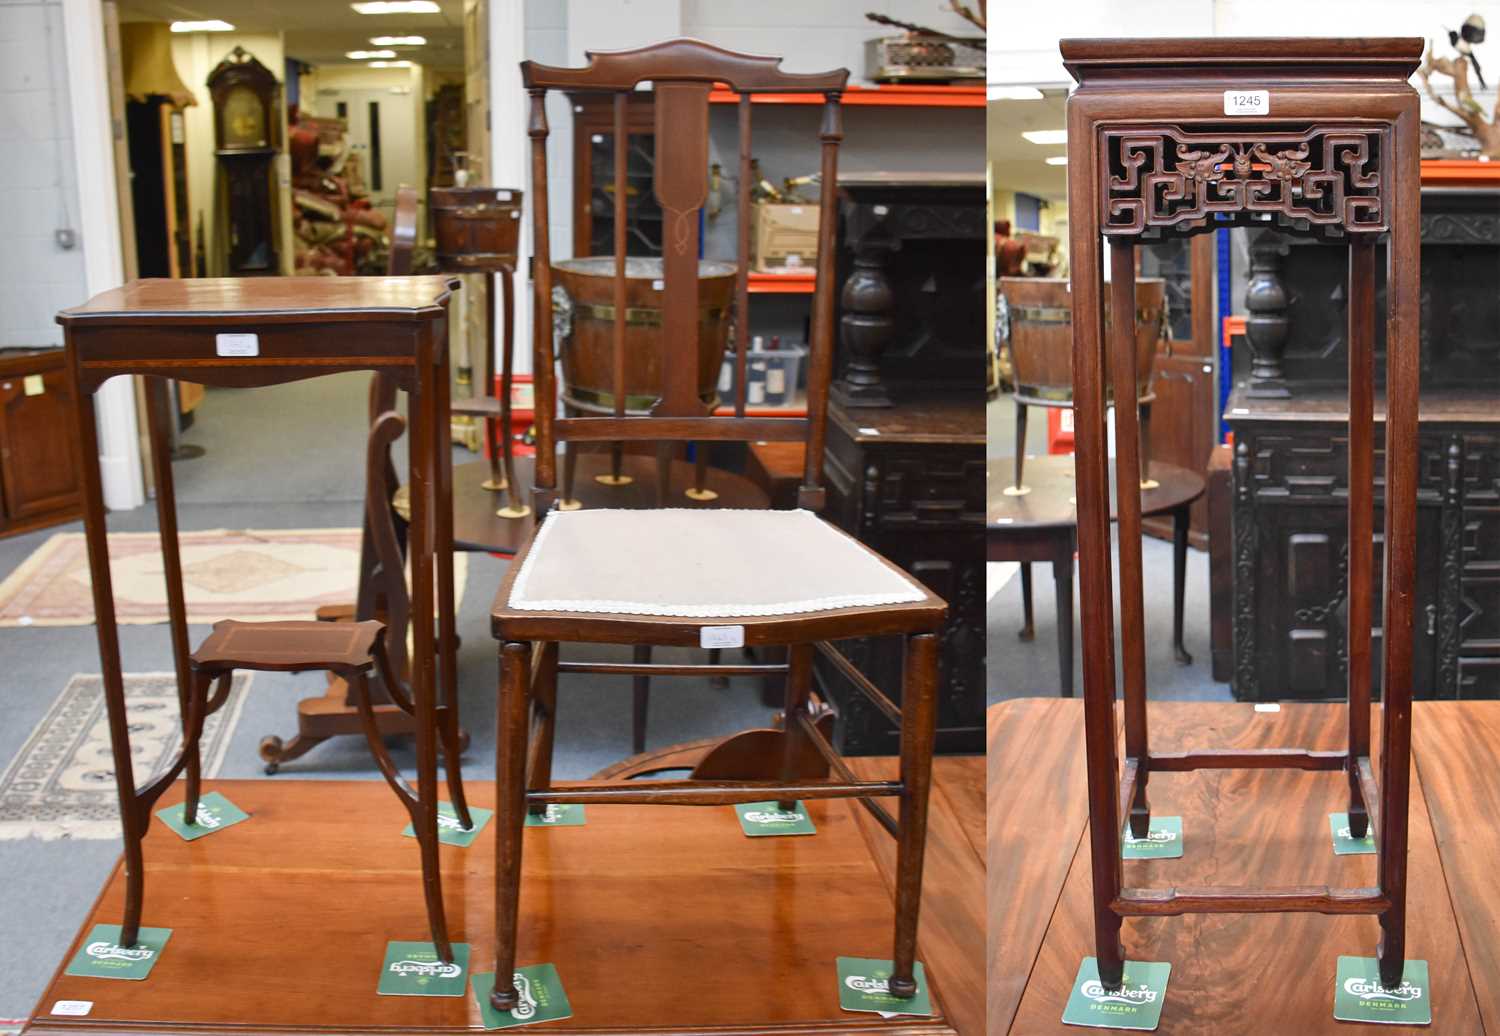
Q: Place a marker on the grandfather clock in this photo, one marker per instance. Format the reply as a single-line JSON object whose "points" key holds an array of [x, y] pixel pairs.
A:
{"points": [[246, 119]]}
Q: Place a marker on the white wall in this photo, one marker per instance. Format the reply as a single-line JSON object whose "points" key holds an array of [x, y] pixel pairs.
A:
{"points": [[38, 175]]}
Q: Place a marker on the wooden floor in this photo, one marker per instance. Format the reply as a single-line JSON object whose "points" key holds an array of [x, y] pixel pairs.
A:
{"points": [[1241, 973], [659, 919]]}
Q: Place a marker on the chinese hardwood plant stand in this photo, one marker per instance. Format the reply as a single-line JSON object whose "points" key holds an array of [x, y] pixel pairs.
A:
{"points": [[269, 331], [1170, 138], [681, 577]]}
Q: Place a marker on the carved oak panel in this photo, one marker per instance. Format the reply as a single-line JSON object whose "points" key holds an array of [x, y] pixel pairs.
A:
{"points": [[1289, 528]]}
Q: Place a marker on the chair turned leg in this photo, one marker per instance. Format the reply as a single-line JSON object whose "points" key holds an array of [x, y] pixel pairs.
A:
{"points": [[715, 656], [918, 722], [1359, 816], [1108, 950], [798, 693], [1028, 622], [510, 810], [642, 700], [1140, 807], [544, 701]]}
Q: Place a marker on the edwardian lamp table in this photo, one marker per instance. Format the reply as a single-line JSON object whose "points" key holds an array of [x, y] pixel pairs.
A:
{"points": [[1169, 138], [266, 331]]}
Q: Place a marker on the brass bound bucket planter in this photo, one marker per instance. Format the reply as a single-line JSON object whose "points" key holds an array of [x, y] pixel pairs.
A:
{"points": [[1036, 319], [477, 228], [584, 323]]}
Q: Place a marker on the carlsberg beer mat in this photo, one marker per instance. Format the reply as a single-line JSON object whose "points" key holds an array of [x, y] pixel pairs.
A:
{"points": [[864, 985], [102, 956], [1343, 843], [1358, 995], [760, 819], [557, 814], [1135, 1005], [413, 969], [542, 998], [1163, 841], [450, 831], [215, 813]]}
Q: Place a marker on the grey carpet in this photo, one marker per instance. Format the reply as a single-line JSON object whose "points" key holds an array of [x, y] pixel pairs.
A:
{"points": [[285, 457]]}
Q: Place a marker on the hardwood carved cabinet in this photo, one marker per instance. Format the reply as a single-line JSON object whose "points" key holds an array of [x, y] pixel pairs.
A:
{"points": [[1290, 587]]}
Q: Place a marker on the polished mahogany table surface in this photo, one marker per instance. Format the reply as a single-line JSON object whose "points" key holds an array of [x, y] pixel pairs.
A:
{"points": [[660, 919], [1051, 501], [1241, 973], [267, 299]]}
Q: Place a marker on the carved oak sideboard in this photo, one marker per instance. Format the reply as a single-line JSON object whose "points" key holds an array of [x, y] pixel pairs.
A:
{"points": [[909, 480], [1289, 470]]}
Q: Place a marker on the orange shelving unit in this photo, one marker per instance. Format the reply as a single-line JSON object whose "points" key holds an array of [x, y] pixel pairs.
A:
{"points": [[1459, 172], [901, 95], [782, 283]]}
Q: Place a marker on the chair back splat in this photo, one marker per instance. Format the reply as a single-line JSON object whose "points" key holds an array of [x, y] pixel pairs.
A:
{"points": [[683, 73]]}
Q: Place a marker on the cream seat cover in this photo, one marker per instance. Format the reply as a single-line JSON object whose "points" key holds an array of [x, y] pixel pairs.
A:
{"points": [[701, 564]]}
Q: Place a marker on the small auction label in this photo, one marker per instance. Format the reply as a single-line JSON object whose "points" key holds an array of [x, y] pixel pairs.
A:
{"points": [[721, 636], [237, 345], [1247, 102]]}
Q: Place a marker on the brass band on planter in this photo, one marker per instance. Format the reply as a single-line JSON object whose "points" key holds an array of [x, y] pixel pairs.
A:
{"points": [[635, 316], [1063, 315], [601, 402]]}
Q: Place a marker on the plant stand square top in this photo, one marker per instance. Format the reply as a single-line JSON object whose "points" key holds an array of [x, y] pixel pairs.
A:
{"points": [[1170, 138]]}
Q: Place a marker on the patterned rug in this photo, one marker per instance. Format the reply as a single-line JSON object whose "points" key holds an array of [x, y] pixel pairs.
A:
{"points": [[253, 574], [62, 782]]}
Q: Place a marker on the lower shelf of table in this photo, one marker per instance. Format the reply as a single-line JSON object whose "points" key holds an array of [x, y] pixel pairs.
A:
{"points": [[660, 919]]}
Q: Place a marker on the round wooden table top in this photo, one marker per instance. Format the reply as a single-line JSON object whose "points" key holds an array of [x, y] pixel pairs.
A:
{"points": [[1051, 501], [476, 526]]}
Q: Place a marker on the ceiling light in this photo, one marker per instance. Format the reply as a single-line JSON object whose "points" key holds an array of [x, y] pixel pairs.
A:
{"points": [[397, 7], [399, 41], [1058, 160], [1012, 93], [365, 55], [211, 25], [1046, 136], [390, 64]]}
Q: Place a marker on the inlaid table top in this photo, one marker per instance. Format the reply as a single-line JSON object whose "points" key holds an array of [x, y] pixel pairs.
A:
{"points": [[1051, 501], [265, 299]]}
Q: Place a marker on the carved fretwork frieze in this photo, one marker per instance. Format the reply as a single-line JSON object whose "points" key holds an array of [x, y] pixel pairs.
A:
{"points": [[1165, 181]]}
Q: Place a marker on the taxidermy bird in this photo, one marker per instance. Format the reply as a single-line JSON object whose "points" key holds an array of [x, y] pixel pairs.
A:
{"points": [[1464, 40]]}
